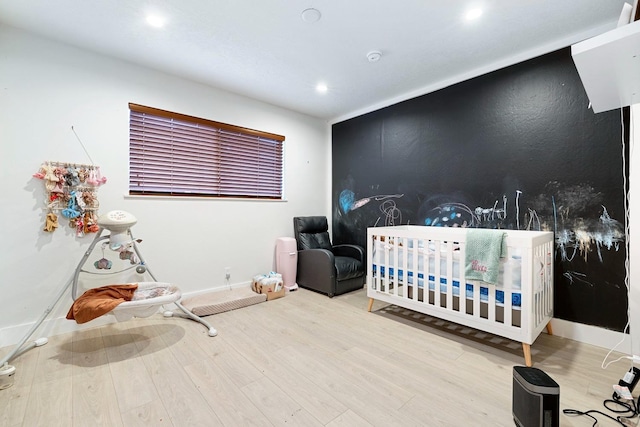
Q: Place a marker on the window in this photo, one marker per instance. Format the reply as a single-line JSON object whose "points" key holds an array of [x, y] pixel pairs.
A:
{"points": [[178, 155]]}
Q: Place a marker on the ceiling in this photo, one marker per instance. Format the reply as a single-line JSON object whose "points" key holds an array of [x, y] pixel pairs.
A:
{"points": [[265, 49]]}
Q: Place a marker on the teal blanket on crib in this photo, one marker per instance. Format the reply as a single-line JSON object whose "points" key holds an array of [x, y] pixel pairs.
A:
{"points": [[484, 249]]}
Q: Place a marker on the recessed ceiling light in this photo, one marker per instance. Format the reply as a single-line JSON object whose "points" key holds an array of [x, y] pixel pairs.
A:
{"points": [[321, 88], [473, 14], [155, 21], [311, 15], [374, 56]]}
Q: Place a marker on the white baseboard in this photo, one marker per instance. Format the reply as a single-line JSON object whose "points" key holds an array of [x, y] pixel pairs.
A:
{"points": [[50, 327], [216, 289], [12, 335], [593, 335]]}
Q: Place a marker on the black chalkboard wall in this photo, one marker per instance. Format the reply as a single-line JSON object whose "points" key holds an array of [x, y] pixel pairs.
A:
{"points": [[518, 149]]}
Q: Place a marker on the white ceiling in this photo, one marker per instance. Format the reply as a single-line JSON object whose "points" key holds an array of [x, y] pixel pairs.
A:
{"points": [[265, 50]]}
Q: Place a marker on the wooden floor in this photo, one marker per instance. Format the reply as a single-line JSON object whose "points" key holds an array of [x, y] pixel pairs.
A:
{"points": [[302, 360]]}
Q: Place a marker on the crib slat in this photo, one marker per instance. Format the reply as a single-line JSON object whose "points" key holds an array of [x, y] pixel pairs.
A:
{"points": [[476, 300], [450, 275], [491, 304], [508, 307], [416, 268], [437, 274], [403, 249]]}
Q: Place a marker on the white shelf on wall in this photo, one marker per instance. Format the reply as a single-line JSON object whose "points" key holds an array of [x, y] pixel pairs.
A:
{"points": [[609, 67]]}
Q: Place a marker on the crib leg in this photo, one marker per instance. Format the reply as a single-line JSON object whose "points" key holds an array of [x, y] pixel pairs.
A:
{"points": [[526, 348], [549, 330], [370, 305]]}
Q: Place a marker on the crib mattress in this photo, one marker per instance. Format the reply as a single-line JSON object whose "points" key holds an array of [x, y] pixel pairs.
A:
{"points": [[516, 297]]}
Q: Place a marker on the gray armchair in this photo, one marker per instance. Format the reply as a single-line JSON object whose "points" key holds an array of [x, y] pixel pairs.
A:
{"points": [[322, 267]]}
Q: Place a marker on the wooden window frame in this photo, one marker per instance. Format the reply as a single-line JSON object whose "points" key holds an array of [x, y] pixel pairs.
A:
{"points": [[173, 154]]}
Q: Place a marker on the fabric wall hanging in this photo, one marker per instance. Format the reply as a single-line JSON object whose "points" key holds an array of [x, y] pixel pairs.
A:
{"points": [[71, 191]]}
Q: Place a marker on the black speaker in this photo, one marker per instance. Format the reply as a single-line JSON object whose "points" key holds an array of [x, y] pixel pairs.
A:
{"points": [[536, 398]]}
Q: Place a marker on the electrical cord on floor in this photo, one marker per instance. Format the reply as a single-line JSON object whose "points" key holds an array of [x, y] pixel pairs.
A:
{"points": [[588, 414], [630, 409]]}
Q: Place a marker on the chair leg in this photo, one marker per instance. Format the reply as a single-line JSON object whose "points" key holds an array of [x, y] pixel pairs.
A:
{"points": [[370, 305]]}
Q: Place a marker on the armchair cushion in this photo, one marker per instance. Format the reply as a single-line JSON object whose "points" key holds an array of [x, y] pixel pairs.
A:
{"points": [[348, 268], [312, 233], [314, 241]]}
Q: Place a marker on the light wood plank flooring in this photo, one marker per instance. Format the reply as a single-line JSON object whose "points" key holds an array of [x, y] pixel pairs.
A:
{"points": [[302, 360]]}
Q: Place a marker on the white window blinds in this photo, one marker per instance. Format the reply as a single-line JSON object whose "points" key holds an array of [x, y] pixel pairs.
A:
{"points": [[179, 155]]}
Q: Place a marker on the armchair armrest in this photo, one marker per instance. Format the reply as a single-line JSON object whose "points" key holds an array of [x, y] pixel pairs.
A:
{"points": [[353, 251], [317, 270]]}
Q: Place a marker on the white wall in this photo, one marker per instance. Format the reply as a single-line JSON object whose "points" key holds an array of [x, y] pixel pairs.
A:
{"points": [[47, 87]]}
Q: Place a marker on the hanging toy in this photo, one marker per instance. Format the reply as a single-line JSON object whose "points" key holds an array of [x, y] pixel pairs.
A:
{"points": [[91, 178], [46, 173], [125, 254], [41, 173], [71, 211], [93, 223], [90, 225], [103, 263], [85, 220], [79, 227], [59, 173], [82, 174], [95, 177], [64, 197], [99, 178], [54, 200], [81, 204], [51, 222], [89, 199], [58, 187], [71, 177]]}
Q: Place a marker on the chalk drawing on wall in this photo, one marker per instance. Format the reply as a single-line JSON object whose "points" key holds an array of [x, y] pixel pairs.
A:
{"points": [[587, 235], [569, 211], [578, 231], [453, 214], [575, 276], [388, 208], [567, 215], [390, 212], [458, 214]]}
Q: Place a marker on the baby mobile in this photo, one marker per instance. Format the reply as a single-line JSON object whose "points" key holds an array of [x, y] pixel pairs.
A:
{"points": [[71, 191]]}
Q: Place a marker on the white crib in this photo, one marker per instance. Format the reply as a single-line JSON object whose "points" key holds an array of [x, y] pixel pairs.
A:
{"points": [[422, 269]]}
